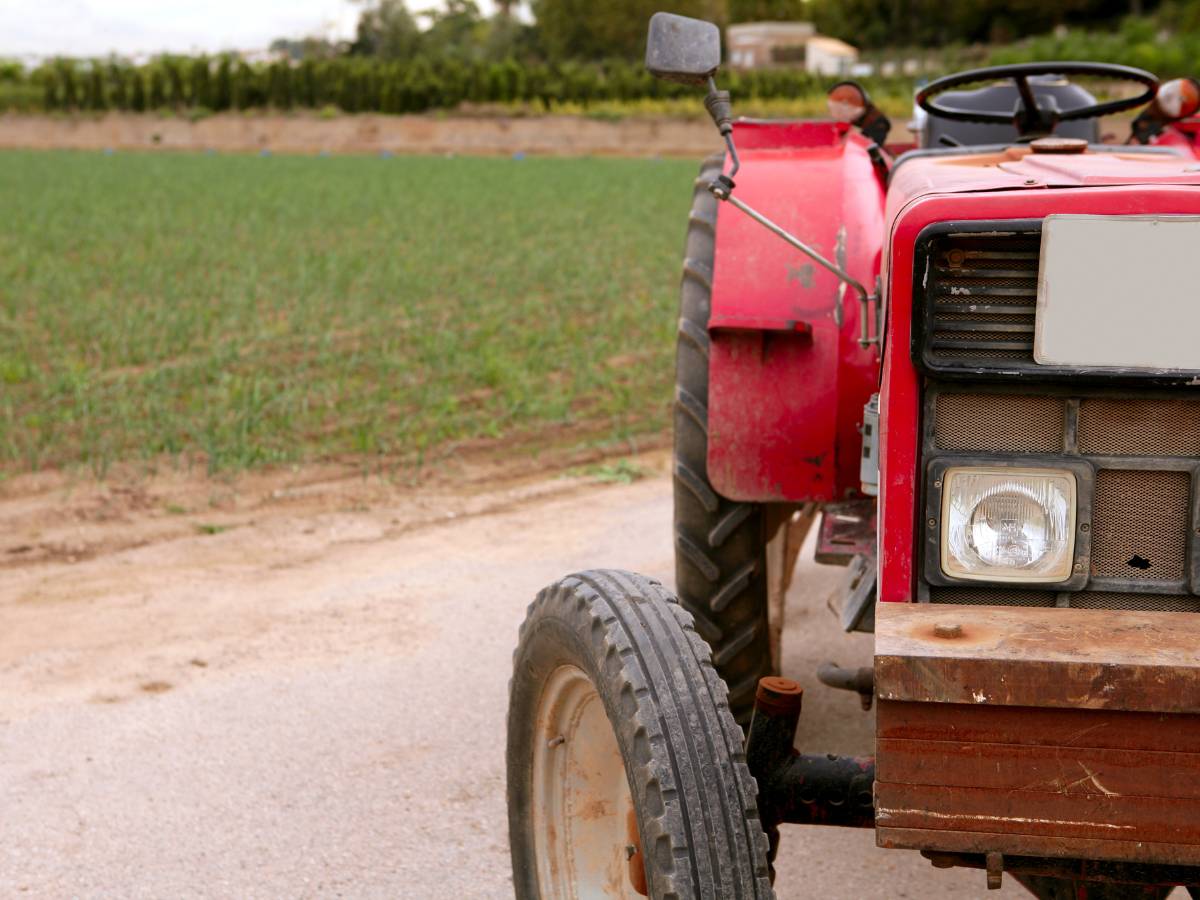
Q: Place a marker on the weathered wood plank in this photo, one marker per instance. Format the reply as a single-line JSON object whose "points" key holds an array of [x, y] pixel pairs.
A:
{"points": [[1011, 767], [1032, 726], [1035, 813], [1016, 656], [1025, 845]]}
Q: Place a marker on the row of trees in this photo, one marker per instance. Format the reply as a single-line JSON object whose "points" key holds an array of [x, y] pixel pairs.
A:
{"points": [[589, 29], [355, 84], [592, 30], [578, 51]]}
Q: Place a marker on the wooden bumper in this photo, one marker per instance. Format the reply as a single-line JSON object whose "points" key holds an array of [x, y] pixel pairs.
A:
{"points": [[1039, 732]]}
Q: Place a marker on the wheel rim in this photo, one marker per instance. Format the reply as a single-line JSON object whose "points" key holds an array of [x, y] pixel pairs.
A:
{"points": [[585, 829]]}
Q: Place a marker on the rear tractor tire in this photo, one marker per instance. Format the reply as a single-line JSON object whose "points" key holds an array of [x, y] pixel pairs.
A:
{"points": [[720, 544], [626, 773]]}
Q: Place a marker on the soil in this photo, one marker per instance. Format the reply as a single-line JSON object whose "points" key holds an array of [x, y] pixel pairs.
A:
{"points": [[75, 551], [309, 133]]}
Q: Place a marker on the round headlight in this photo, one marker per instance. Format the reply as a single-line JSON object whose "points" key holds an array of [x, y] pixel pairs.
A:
{"points": [[1011, 529], [1008, 524]]}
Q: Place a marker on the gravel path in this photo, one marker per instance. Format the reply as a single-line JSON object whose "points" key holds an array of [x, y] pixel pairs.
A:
{"points": [[315, 707]]}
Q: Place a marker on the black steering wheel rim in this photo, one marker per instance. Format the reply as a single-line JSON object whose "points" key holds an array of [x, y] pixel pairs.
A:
{"points": [[1020, 73]]}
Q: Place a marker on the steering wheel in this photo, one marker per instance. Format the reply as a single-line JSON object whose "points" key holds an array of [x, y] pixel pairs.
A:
{"points": [[1029, 117]]}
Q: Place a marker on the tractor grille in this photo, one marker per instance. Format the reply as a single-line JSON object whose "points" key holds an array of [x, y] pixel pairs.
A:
{"points": [[1145, 452], [981, 298], [1077, 600], [1122, 427], [991, 596], [1140, 524], [1140, 602], [1014, 423]]}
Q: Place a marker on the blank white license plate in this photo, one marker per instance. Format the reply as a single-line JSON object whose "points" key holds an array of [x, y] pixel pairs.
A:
{"points": [[1119, 291]]}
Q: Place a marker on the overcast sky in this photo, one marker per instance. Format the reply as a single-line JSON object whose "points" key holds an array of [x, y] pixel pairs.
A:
{"points": [[98, 27]]}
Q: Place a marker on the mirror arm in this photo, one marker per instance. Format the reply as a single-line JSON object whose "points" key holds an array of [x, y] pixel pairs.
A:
{"points": [[720, 108]]}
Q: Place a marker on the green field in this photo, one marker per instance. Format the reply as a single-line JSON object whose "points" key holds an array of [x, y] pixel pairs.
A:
{"points": [[242, 311]]}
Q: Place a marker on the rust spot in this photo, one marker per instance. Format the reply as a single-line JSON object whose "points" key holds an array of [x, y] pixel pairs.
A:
{"points": [[156, 687], [595, 809], [973, 635], [637, 862]]}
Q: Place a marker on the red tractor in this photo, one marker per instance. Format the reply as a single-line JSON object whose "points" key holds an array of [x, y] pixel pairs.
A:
{"points": [[975, 361]]}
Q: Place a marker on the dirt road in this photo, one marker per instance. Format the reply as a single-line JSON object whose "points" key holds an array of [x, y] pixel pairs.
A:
{"points": [[311, 702], [310, 133]]}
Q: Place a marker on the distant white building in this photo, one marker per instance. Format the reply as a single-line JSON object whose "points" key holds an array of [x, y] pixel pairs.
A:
{"points": [[829, 56], [757, 45]]}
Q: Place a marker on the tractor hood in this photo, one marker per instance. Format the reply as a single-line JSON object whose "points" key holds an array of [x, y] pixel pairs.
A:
{"points": [[1020, 168]]}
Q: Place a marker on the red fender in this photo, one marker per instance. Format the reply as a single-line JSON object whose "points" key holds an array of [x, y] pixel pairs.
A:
{"points": [[787, 385]]}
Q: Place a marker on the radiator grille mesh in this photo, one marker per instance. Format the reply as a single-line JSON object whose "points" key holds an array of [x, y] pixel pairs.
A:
{"points": [[991, 596], [999, 423], [1121, 427], [1140, 524], [1143, 602]]}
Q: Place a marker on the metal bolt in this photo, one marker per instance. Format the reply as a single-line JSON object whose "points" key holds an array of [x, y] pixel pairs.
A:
{"points": [[937, 484], [1078, 567], [1085, 527], [1031, 181], [933, 523], [947, 630]]}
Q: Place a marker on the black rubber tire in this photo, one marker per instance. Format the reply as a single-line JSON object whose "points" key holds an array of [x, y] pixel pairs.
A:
{"points": [[720, 544], [696, 801]]}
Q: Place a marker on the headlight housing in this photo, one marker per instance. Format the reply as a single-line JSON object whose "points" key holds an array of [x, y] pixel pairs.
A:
{"points": [[1008, 524]]}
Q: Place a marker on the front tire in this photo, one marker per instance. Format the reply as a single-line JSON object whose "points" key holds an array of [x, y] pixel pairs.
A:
{"points": [[615, 707]]}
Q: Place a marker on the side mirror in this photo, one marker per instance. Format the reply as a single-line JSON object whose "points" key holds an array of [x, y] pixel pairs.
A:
{"points": [[682, 49]]}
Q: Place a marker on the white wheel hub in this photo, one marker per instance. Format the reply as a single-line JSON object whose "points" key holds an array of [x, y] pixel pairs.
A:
{"points": [[584, 823]]}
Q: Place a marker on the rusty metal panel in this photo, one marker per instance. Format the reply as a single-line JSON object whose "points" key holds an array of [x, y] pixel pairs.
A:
{"points": [[1030, 656]]}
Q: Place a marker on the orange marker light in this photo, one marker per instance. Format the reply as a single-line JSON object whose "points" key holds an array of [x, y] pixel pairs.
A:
{"points": [[1179, 98]]}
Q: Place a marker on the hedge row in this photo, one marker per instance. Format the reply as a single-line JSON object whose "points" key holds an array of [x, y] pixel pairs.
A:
{"points": [[1136, 42], [365, 85]]}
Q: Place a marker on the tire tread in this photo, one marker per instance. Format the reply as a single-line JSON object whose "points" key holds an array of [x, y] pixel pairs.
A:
{"points": [[720, 559]]}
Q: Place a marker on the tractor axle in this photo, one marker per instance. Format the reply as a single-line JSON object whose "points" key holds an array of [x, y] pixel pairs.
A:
{"points": [[797, 788]]}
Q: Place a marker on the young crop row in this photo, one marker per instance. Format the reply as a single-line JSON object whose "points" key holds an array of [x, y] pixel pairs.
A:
{"points": [[258, 310]]}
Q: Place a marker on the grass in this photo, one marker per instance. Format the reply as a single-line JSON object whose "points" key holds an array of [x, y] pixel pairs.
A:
{"points": [[621, 472], [243, 310]]}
